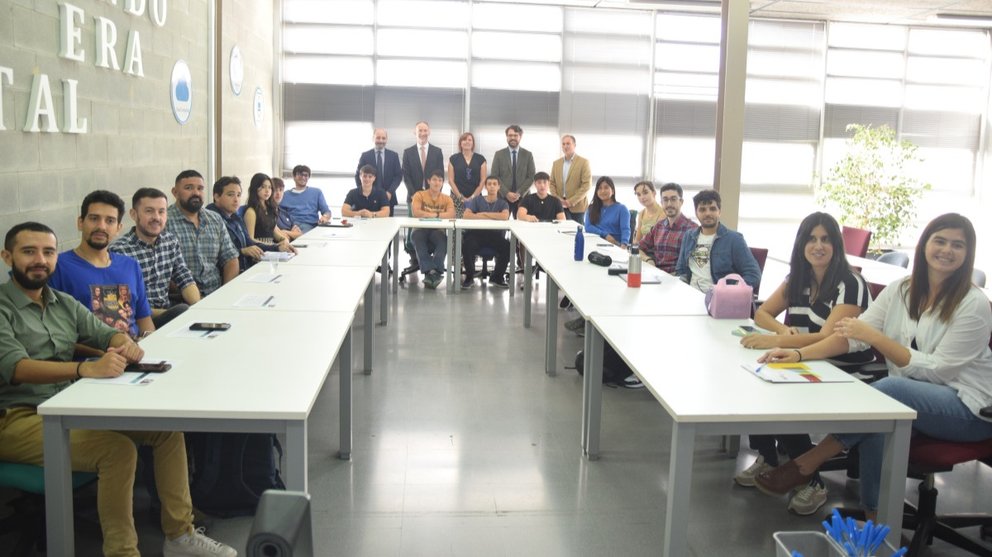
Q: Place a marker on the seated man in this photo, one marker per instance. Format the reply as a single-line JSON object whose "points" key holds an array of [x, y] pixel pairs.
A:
{"points": [[39, 327], [541, 207], [661, 245], [713, 251], [110, 284], [431, 244], [227, 198], [284, 221], [159, 255], [365, 201], [306, 205], [491, 207]]}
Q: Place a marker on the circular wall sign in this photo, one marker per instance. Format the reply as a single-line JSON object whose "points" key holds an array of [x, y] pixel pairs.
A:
{"points": [[258, 107], [181, 92], [237, 70]]}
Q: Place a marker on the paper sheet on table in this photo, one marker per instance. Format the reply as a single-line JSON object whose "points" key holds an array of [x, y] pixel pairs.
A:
{"points": [[796, 373], [328, 233], [256, 301], [266, 277], [185, 332], [131, 378]]}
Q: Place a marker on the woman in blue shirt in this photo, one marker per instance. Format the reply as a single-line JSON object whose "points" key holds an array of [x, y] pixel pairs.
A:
{"points": [[607, 217]]}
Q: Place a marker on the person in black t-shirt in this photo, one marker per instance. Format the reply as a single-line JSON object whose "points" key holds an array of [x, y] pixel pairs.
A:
{"points": [[540, 206], [366, 202]]}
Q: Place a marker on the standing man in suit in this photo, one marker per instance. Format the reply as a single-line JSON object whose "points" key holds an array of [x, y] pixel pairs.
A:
{"points": [[420, 160], [514, 166], [387, 166], [570, 180]]}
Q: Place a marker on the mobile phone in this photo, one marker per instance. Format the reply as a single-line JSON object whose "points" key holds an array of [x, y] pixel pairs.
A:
{"points": [[744, 330], [149, 367], [300, 245], [210, 326]]}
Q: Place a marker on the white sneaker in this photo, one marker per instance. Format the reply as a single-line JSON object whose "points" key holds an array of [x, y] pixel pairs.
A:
{"points": [[196, 544], [746, 476], [808, 499]]}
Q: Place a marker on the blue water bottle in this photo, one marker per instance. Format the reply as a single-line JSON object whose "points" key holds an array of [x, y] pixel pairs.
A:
{"points": [[580, 244]]}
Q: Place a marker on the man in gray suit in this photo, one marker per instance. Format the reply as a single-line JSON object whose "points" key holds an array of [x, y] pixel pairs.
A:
{"points": [[514, 166]]}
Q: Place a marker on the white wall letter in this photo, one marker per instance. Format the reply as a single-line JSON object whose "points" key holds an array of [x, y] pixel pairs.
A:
{"points": [[135, 7], [158, 11], [132, 60], [40, 105], [70, 123], [106, 40], [9, 73], [71, 34]]}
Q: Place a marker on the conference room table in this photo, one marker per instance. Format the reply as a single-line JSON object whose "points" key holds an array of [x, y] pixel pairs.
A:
{"points": [[240, 380], [463, 224], [701, 384], [878, 272]]}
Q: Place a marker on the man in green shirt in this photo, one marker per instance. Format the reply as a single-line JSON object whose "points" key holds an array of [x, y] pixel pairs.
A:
{"points": [[39, 328]]}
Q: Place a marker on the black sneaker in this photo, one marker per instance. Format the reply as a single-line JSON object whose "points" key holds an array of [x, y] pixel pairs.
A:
{"points": [[565, 303], [632, 382], [498, 282], [468, 283]]}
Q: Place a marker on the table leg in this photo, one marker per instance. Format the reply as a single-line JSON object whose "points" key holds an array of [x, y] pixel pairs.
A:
{"points": [[679, 481], [893, 485], [396, 261], [458, 258], [296, 456], [513, 265], [592, 407], [369, 327], [58, 487], [384, 289], [528, 286], [344, 361], [551, 326], [451, 250]]}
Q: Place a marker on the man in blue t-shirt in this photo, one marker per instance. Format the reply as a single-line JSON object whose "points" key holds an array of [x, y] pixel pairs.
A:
{"points": [[366, 201], [306, 205], [487, 207], [109, 284]]}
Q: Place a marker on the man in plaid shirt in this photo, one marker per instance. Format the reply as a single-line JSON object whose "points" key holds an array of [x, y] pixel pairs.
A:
{"points": [[660, 247], [159, 254]]}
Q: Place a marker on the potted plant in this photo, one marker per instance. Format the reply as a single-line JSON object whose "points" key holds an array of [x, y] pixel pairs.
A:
{"points": [[873, 186]]}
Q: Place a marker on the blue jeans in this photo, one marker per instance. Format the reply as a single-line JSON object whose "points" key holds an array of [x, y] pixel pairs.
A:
{"points": [[940, 414], [432, 247]]}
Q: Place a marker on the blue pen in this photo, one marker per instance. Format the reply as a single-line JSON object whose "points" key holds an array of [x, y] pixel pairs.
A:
{"points": [[902, 551]]}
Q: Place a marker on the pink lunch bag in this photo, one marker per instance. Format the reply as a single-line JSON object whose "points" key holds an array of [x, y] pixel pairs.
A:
{"points": [[730, 298]]}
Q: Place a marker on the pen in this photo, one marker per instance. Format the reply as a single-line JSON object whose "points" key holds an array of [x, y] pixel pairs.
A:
{"points": [[267, 300]]}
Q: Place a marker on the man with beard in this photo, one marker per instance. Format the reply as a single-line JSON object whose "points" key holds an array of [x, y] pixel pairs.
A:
{"points": [[661, 246], [713, 251], [90, 271], [39, 331], [514, 166], [207, 248], [159, 255]]}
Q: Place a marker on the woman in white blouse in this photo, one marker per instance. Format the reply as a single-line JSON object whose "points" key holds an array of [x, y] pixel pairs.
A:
{"points": [[933, 329]]}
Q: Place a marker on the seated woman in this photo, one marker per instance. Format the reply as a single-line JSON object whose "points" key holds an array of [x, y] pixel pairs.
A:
{"points": [[607, 217], [821, 289], [652, 212], [261, 211], [933, 328]]}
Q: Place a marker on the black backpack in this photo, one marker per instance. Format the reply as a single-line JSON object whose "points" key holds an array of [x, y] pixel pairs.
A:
{"points": [[615, 370], [230, 471]]}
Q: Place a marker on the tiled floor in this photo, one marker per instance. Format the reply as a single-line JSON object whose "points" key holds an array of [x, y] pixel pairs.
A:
{"points": [[464, 447]]}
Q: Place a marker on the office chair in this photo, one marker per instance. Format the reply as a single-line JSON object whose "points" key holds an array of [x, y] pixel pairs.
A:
{"points": [[856, 241], [760, 255], [978, 277], [486, 254], [28, 518]]}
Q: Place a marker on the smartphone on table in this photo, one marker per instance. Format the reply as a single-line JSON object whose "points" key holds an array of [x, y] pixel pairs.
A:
{"points": [[209, 326]]}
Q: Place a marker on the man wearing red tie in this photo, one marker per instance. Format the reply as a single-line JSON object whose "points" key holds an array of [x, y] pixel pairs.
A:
{"points": [[419, 160]]}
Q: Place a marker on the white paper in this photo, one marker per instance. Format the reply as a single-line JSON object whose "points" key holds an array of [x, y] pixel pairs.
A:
{"points": [[278, 256], [185, 332], [130, 378], [256, 301]]}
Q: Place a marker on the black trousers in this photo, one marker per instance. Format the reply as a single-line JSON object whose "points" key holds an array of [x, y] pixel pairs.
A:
{"points": [[475, 240]]}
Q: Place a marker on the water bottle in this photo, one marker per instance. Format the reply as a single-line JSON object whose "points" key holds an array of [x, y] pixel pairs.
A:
{"points": [[634, 269], [580, 244]]}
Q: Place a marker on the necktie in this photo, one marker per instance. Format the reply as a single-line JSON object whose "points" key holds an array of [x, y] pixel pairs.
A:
{"points": [[378, 164], [423, 163], [513, 169]]}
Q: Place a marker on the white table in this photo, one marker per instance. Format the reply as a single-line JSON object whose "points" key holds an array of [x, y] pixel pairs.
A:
{"points": [[874, 271], [700, 384], [486, 224], [240, 381], [448, 225], [304, 288]]}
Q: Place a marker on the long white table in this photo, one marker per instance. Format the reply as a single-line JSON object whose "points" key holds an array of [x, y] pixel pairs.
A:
{"points": [[216, 384], [702, 387]]}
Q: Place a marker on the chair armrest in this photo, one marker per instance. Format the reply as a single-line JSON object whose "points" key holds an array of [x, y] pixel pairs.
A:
{"points": [[986, 412]]}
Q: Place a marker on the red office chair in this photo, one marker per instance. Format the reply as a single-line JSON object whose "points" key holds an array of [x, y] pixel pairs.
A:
{"points": [[760, 255], [856, 241]]}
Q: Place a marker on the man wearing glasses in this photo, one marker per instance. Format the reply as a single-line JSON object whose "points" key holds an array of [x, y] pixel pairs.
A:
{"points": [[661, 246], [306, 205]]}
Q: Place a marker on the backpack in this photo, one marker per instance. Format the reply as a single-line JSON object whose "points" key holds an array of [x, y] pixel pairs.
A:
{"points": [[615, 370], [230, 471]]}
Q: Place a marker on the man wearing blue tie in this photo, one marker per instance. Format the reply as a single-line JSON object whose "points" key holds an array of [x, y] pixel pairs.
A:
{"points": [[387, 165]]}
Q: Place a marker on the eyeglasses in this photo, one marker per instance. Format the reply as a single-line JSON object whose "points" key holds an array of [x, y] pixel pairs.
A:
{"points": [[672, 200]]}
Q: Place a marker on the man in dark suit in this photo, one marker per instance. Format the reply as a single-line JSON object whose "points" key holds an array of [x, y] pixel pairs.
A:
{"points": [[514, 166], [387, 165], [419, 161]]}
